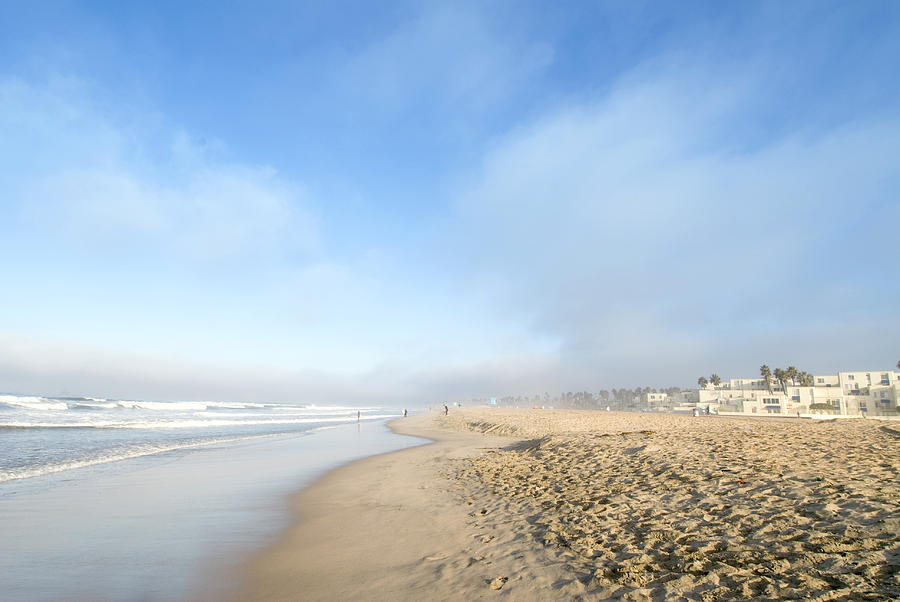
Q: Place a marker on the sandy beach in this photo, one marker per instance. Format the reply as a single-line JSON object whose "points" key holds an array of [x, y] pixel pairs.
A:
{"points": [[545, 505]]}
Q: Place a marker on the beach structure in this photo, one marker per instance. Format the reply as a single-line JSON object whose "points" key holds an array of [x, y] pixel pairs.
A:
{"points": [[869, 392], [655, 401]]}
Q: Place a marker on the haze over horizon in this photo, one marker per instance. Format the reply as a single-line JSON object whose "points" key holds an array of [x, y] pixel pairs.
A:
{"points": [[410, 201]]}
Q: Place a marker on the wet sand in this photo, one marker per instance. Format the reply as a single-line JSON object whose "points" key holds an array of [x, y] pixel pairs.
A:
{"points": [[546, 505]]}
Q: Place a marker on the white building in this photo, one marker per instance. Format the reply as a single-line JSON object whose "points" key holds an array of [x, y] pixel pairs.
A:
{"points": [[655, 401], [874, 392]]}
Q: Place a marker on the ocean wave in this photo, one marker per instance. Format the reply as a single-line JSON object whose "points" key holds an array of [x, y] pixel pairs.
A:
{"points": [[56, 404], [33, 403], [37, 471], [185, 424]]}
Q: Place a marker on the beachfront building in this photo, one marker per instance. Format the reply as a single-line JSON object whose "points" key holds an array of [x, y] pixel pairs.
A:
{"points": [[655, 401], [872, 392]]}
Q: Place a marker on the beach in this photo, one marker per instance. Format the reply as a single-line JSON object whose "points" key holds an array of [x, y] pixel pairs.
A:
{"points": [[164, 525], [547, 504]]}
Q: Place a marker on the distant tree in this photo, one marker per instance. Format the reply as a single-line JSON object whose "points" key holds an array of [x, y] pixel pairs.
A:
{"points": [[702, 382], [898, 365], [604, 395], [793, 374], [821, 406], [766, 373], [806, 379], [781, 377], [715, 379]]}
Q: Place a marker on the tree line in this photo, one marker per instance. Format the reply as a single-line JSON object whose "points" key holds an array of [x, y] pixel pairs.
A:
{"points": [[780, 375], [583, 400]]}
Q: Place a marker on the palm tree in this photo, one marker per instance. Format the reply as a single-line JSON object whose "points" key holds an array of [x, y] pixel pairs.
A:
{"points": [[781, 377], [766, 373], [715, 379], [702, 382], [793, 374], [806, 379]]}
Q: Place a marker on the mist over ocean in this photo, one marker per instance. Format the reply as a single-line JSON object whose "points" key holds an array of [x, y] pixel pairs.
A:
{"points": [[130, 499]]}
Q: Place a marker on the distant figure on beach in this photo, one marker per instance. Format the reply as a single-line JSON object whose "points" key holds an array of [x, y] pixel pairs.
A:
{"points": [[404, 412], [607, 408], [357, 415], [696, 412], [446, 409]]}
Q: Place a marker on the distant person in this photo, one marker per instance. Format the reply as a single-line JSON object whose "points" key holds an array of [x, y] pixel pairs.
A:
{"points": [[358, 415], [446, 409], [404, 412], [607, 408]]}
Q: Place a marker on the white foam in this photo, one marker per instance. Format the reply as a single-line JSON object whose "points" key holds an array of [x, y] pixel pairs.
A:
{"points": [[183, 424], [37, 471], [33, 403]]}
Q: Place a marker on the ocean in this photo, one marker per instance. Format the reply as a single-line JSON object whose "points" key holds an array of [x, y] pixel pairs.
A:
{"points": [[104, 499]]}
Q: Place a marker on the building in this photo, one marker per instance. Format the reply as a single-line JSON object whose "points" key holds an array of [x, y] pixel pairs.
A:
{"points": [[874, 393], [655, 401]]}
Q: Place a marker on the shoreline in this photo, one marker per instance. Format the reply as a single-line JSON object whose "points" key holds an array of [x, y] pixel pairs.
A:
{"points": [[563, 504], [171, 525], [394, 527]]}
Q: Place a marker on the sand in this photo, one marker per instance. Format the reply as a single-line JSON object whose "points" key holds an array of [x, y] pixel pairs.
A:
{"points": [[548, 505]]}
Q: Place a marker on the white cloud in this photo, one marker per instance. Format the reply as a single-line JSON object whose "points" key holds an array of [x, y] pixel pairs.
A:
{"points": [[637, 230], [133, 180]]}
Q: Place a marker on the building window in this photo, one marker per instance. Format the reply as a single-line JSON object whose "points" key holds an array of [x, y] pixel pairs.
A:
{"points": [[820, 380], [850, 377], [862, 406]]}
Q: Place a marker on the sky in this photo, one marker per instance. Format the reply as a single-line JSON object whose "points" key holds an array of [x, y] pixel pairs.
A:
{"points": [[419, 201]]}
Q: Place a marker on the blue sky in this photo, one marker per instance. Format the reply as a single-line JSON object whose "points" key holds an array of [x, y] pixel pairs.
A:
{"points": [[415, 201]]}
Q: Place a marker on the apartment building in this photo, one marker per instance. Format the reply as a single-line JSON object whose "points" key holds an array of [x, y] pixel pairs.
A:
{"points": [[873, 392]]}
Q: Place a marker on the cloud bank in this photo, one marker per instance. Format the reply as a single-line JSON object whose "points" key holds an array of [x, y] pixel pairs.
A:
{"points": [[642, 233]]}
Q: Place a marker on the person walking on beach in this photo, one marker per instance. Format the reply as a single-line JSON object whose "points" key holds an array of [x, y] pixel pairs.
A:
{"points": [[357, 415], [404, 412], [446, 409]]}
